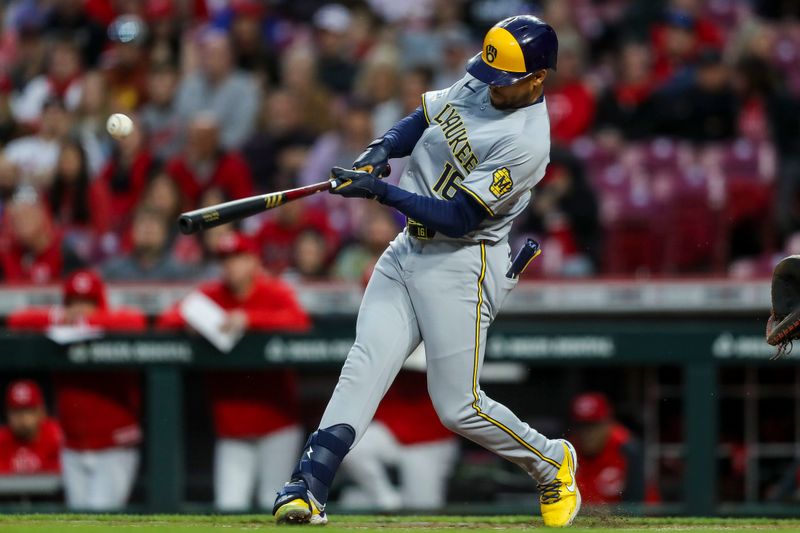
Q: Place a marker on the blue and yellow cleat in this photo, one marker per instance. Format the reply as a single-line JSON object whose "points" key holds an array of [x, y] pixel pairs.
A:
{"points": [[560, 499], [296, 506]]}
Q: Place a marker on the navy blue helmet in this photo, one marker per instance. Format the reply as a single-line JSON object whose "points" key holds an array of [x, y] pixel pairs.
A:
{"points": [[514, 48]]}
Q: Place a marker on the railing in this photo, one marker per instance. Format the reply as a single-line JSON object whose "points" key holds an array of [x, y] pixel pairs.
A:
{"points": [[547, 297]]}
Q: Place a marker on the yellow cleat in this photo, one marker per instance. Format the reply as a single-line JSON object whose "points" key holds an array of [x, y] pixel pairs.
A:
{"points": [[298, 512], [560, 499]]}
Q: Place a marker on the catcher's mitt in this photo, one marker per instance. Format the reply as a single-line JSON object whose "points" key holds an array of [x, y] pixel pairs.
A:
{"points": [[783, 325]]}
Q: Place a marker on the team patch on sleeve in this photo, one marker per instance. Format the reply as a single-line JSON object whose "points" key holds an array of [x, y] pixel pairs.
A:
{"points": [[501, 182]]}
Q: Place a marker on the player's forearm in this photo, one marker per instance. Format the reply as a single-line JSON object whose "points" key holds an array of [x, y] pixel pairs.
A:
{"points": [[454, 218], [403, 136]]}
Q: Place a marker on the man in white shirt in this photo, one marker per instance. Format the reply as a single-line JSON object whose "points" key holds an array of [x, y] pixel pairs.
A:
{"points": [[36, 155]]}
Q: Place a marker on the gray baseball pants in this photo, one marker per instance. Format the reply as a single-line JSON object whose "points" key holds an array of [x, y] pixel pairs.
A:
{"points": [[447, 294]]}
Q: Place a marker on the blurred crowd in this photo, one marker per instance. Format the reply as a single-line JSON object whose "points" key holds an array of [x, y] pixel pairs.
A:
{"points": [[674, 122]]}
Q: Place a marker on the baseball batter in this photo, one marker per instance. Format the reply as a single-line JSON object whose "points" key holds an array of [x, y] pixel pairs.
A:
{"points": [[477, 149]]}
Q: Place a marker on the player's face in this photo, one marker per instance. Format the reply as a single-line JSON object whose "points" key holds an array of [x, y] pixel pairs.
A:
{"points": [[24, 423], [593, 437], [239, 270], [79, 308], [520, 94]]}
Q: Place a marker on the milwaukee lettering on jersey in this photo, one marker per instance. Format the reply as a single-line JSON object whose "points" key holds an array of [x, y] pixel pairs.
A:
{"points": [[455, 132]]}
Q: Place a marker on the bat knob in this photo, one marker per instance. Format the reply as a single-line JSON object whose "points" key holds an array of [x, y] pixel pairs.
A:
{"points": [[187, 225]]}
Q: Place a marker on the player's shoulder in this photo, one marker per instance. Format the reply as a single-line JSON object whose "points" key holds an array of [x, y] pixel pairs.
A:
{"points": [[272, 285], [463, 87], [528, 127], [214, 288], [534, 118], [51, 430]]}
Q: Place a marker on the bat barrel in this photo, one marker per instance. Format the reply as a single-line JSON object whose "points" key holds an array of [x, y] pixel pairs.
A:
{"points": [[216, 215], [201, 219], [188, 224]]}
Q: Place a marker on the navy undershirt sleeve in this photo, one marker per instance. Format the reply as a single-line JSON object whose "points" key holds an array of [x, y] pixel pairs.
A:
{"points": [[454, 218], [403, 136]]}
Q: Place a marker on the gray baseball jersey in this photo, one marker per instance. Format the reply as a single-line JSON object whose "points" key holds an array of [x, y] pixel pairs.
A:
{"points": [[446, 292], [496, 156]]}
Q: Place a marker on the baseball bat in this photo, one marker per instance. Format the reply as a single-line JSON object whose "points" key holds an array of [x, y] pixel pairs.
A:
{"points": [[216, 215]]}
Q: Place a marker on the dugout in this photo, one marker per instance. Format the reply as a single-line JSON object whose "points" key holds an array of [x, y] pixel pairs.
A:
{"points": [[684, 362]]}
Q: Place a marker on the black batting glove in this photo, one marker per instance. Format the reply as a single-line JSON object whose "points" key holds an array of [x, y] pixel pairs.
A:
{"points": [[375, 159], [357, 184]]}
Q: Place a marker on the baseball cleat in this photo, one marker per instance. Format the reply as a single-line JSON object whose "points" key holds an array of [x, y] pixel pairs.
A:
{"points": [[560, 499], [296, 506]]}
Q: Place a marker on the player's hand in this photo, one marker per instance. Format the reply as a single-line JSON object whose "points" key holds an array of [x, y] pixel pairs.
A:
{"points": [[357, 184], [375, 159]]}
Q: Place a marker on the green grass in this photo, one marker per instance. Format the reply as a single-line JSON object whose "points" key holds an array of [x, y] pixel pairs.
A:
{"points": [[18, 523]]}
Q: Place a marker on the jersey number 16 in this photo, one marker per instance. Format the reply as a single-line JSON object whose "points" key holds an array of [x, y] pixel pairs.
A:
{"points": [[447, 184]]}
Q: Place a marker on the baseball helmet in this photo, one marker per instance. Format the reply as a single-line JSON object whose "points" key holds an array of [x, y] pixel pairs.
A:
{"points": [[513, 49]]}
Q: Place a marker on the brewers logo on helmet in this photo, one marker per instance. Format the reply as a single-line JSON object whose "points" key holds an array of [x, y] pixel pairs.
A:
{"points": [[513, 49]]}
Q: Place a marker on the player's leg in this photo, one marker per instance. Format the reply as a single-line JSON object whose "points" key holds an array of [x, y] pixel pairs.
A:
{"points": [[386, 332], [234, 474], [75, 473], [366, 465], [272, 470], [112, 478], [469, 277], [454, 364], [424, 471]]}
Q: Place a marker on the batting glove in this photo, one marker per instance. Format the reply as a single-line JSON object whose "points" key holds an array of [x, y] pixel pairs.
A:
{"points": [[375, 159], [357, 184]]}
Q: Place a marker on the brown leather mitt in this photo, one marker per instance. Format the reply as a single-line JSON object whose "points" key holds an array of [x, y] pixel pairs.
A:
{"points": [[783, 325]]}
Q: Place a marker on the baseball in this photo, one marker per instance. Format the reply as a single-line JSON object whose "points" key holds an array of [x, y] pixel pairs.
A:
{"points": [[119, 125]]}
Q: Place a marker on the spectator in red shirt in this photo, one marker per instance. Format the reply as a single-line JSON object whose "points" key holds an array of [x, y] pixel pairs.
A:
{"points": [[125, 175], [406, 433], [204, 164], [612, 460], [679, 37], [278, 234], [255, 413], [570, 101], [31, 442], [32, 251], [99, 411]]}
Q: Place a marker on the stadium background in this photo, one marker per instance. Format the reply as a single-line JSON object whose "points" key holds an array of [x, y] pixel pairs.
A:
{"points": [[670, 196]]}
